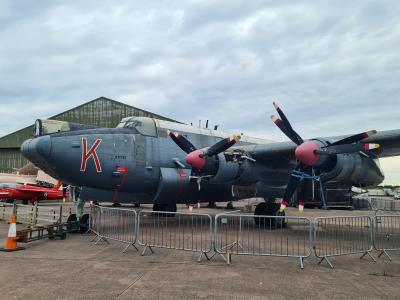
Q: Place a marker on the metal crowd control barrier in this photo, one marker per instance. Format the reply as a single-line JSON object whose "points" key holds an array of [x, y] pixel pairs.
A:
{"points": [[26, 214], [175, 230], [47, 215], [335, 236], [114, 224], [32, 215], [387, 234], [281, 236], [6, 210], [385, 204], [94, 220]]}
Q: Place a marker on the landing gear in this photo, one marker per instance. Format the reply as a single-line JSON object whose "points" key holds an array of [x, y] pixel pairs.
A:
{"points": [[268, 208], [84, 223], [72, 220], [211, 204], [167, 207], [170, 207], [229, 205]]}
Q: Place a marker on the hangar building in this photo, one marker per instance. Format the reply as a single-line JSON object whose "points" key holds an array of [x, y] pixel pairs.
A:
{"points": [[102, 112]]}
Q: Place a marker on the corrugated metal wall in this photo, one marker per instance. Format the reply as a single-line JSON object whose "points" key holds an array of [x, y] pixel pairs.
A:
{"points": [[11, 159], [101, 112]]}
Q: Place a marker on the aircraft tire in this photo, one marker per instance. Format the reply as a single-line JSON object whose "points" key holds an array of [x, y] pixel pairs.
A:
{"points": [[168, 207], [268, 209], [84, 223], [71, 218]]}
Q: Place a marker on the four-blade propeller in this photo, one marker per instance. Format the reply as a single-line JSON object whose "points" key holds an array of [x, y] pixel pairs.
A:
{"points": [[197, 158], [310, 154]]}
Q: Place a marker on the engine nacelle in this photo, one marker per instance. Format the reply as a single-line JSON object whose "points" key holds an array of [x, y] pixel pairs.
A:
{"points": [[355, 169], [233, 172]]}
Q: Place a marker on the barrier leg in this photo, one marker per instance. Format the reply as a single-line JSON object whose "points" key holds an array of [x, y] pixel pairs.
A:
{"points": [[102, 238], [327, 260], [385, 252], [127, 247], [212, 256], [230, 246], [145, 248], [369, 254], [95, 237], [301, 259], [204, 254], [228, 258]]}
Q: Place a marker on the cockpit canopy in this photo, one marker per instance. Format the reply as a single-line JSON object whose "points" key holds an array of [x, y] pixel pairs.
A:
{"points": [[145, 126], [46, 126]]}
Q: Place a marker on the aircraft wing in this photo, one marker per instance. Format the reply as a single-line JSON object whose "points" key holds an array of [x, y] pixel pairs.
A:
{"points": [[389, 141], [27, 188], [283, 152]]}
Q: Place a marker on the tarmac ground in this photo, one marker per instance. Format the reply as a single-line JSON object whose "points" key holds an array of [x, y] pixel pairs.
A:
{"points": [[76, 268]]}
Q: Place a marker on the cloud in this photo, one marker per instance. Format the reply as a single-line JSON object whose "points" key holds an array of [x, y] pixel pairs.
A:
{"points": [[333, 67]]}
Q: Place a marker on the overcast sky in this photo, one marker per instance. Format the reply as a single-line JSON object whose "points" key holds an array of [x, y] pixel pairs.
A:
{"points": [[333, 66]]}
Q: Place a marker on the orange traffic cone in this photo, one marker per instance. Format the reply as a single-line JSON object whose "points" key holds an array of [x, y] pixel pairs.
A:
{"points": [[11, 240]]}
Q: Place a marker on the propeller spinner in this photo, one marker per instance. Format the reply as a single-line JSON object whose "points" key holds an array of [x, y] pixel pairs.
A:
{"points": [[197, 158], [311, 154]]}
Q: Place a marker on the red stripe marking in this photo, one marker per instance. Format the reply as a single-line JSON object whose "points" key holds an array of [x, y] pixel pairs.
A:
{"points": [[182, 175]]}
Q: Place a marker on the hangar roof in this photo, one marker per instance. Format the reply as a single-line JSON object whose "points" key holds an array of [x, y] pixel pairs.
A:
{"points": [[102, 112]]}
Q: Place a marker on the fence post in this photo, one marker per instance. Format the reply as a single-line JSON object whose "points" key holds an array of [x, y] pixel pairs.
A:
{"points": [[35, 215], [60, 214], [15, 209]]}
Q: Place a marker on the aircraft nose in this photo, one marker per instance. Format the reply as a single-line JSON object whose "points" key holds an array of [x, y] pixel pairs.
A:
{"points": [[36, 150]]}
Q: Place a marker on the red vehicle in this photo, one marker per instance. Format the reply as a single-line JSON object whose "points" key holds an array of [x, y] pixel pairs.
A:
{"points": [[30, 193]]}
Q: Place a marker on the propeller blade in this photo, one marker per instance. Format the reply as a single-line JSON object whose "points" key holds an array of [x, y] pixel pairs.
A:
{"points": [[347, 148], [288, 126], [182, 142], [220, 146], [278, 122], [354, 138], [292, 184]]}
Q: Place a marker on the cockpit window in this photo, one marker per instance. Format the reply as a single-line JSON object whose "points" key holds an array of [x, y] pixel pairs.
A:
{"points": [[132, 124], [144, 126]]}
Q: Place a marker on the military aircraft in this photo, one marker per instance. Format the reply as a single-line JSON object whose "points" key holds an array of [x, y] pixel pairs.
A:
{"points": [[30, 193], [154, 161], [29, 185]]}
